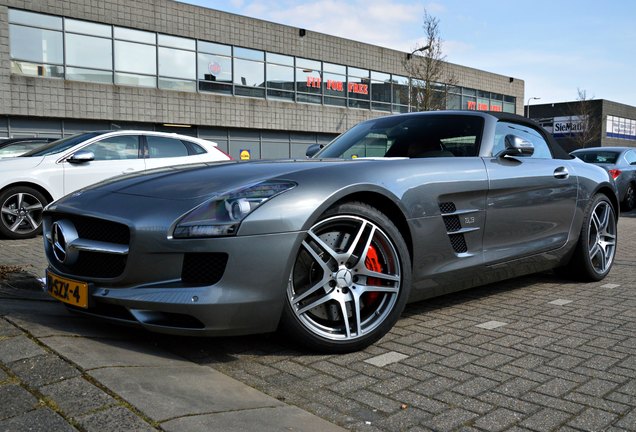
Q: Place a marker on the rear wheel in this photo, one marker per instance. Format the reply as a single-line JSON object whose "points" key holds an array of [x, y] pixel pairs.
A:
{"points": [[350, 280], [629, 202], [596, 248], [21, 212]]}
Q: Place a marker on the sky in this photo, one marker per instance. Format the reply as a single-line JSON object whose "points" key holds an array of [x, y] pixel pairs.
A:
{"points": [[557, 47]]}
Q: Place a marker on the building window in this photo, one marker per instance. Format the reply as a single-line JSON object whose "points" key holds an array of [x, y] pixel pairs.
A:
{"points": [[309, 80], [358, 88], [279, 70], [335, 84], [380, 91], [214, 67], [135, 62], [36, 44], [89, 51], [177, 63], [400, 92], [249, 72]]}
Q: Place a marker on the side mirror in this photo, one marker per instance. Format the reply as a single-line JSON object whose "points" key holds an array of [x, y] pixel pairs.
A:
{"points": [[312, 150], [517, 146], [81, 156]]}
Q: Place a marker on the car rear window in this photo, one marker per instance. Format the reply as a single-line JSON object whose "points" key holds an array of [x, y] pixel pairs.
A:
{"points": [[603, 157]]}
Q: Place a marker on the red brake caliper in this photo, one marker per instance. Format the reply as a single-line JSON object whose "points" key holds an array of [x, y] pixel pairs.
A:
{"points": [[372, 263]]}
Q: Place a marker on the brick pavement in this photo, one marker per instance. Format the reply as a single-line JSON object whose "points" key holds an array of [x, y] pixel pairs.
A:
{"points": [[537, 353]]}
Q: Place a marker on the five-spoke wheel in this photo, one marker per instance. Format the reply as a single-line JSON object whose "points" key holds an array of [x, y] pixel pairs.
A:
{"points": [[21, 212], [350, 280], [596, 249]]}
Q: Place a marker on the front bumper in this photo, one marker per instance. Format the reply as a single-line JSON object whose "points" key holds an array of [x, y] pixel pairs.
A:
{"points": [[248, 298]]}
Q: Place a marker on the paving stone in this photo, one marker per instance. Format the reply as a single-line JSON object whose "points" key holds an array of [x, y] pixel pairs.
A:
{"points": [[491, 325], [42, 419], [18, 348], [450, 420], [547, 419], [498, 420], [556, 387], [113, 419], [593, 419], [77, 396], [42, 370], [386, 359], [8, 330], [15, 400]]}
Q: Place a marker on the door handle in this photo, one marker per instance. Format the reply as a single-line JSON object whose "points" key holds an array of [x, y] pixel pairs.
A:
{"points": [[561, 173]]}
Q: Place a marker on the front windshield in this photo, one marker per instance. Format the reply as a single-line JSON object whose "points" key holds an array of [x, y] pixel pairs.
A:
{"points": [[19, 148], [62, 144], [409, 136]]}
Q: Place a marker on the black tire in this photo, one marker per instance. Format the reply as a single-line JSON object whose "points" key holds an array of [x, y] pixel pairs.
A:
{"points": [[596, 248], [21, 212], [629, 202], [353, 262]]}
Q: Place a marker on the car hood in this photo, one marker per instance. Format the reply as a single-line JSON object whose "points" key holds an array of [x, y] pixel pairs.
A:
{"points": [[188, 182]]}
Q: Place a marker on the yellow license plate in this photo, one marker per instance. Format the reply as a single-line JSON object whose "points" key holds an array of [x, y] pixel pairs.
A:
{"points": [[67, 290]]}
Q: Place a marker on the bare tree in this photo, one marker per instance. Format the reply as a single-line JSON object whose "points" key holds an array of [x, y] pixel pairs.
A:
{"points": [[429, 73], [588, 132]]}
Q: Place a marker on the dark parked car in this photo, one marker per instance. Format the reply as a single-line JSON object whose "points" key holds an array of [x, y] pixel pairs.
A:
{"points": [[397, 209], [620, 162]]}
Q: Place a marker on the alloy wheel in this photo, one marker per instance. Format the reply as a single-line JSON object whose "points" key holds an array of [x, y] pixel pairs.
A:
{"points": [[22, 213], [346, 278], [602, 237]]}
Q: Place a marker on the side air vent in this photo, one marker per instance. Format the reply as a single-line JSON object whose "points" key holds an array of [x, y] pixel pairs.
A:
{"points": [[454, 227], [203, 268]]}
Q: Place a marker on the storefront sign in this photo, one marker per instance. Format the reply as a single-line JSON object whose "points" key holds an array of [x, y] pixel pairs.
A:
{"points": [[315, 82], [214, 68], [245, 154]]}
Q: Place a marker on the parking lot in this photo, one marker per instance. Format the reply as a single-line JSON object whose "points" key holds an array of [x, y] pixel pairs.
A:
{"points": [[537, 353]]}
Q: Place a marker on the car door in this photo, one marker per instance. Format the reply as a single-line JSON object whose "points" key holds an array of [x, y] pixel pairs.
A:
{"points": [[531, 199], [114, 155], [167, 151]]}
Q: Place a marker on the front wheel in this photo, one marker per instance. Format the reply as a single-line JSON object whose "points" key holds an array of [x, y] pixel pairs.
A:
{"points": [[350, 280], [596, 248], [21, 212]]}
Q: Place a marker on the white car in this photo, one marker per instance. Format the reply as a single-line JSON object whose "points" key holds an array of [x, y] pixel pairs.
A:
{"points": [[31, 181]]}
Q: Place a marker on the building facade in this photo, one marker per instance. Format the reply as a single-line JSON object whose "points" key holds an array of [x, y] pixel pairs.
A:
{"points": [[590, 123], [255, 87]]}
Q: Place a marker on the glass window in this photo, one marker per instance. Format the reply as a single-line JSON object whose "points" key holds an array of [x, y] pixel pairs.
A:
{"points": [[361, 73], [89, 28], [135, 57], [114, 148], [176, 84], [509, 107], [335, 85], [469, 103], [32, 69], [163, 147], [135, 80], [91, 75], [380, 87], [302, 63], [249, 73], [280, 59], [177, 63], [176, 42], [280, 77], [249, 54], [358, 88], [469, 92], [89, 51], [308, 80], [335, 68], [214, 48], [36, 45], [35, 19], [541, 148], [215, 68], [482, 104], [135, 35], [400, 91], [496, 105]]}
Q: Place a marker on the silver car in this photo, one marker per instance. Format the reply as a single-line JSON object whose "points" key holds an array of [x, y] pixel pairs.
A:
{"points": [[620, 162], [330, 249]]}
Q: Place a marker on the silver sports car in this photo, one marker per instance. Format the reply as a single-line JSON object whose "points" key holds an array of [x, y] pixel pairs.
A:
{"points": [[330, 249]]}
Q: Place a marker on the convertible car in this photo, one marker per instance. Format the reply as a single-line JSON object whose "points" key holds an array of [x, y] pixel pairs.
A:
{"points": [[330, 249]]}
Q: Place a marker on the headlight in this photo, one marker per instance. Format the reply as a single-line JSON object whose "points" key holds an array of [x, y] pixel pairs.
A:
{"points": [[222, 215]]}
